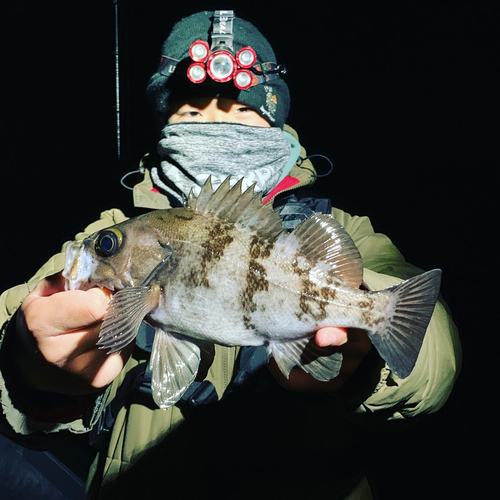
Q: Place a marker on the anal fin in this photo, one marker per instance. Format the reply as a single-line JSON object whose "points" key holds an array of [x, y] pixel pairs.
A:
{"points": [[323, 363]]}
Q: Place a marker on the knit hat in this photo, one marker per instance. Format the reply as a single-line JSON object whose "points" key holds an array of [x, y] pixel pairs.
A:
{"points": [[270, 99]]}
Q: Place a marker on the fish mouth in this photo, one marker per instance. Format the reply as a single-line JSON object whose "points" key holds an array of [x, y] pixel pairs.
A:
{"points": [[78, 285], [87, 285], [72, 271], [79, 270]]}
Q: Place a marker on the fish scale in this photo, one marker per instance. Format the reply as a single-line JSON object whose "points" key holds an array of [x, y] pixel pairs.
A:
{"points": [[222, 270]]}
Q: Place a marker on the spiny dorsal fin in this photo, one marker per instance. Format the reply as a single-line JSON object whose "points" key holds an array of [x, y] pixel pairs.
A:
{"points": [[244, 209], [204, 196], [324, 241]]}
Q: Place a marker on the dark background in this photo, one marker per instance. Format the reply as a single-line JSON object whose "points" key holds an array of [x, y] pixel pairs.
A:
{"points": [[402, 96]]}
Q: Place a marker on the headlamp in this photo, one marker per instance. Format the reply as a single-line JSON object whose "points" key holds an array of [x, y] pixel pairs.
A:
{"points": [[218, 60]]}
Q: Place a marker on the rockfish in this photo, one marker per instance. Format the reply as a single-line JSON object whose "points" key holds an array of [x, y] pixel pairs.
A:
{"points": [[222, 270]]}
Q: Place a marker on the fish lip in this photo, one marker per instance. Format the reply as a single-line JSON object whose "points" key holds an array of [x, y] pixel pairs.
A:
{"points": [[80, 285], [111, 285], [87, 285], [72, 271]]}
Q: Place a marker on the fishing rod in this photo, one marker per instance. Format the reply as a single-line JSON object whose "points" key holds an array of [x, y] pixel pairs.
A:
{"points": [[120, 84], [117, 80], [123, 144]]}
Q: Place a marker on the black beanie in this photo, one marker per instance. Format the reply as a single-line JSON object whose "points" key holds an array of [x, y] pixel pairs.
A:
{"points": [[270, 99]]}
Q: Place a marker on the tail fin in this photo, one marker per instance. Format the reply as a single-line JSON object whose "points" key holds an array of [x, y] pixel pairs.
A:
{"points": [[400, 338]]}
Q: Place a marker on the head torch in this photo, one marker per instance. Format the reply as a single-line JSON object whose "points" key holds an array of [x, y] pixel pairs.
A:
{"points": [[218, 60]]}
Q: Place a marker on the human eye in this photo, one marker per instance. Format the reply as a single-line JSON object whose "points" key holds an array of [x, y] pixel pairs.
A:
{"points": [[245, 109], [185, 113], [192, 113], [247, 115]]}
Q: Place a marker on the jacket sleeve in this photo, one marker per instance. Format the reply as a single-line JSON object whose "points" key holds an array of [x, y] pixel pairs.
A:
{"points": [[14, 421], [428, 386]]}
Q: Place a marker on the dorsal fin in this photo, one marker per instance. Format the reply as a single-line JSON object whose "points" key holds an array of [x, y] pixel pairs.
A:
{"points": [[232, 196], [244, 209], [323, 240], [218, 197], [205, 194]]}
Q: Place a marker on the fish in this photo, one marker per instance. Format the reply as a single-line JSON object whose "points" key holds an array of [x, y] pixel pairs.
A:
{"points": [[221, 269]]}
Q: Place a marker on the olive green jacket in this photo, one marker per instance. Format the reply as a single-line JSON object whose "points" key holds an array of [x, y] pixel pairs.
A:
{"points": [[137, 427]]}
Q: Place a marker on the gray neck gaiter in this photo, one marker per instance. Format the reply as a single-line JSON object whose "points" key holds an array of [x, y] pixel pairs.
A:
{"points": [[191, 152]]}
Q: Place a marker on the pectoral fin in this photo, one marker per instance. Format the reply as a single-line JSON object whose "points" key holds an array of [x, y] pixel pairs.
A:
{"points": [[323, 363], [124, 315], [174, 363]]}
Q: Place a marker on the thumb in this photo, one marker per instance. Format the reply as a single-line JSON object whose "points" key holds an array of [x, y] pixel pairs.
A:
{"points": [[50, 310], [331, 336]]}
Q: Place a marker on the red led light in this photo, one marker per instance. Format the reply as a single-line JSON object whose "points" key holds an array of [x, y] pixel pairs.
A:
{"points": [[221, 66], [199, 51], [196, 72], [243, 79], [246, 57]]}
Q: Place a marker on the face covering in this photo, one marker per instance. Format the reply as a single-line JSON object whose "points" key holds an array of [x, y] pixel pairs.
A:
{"points": [[191, 152]]}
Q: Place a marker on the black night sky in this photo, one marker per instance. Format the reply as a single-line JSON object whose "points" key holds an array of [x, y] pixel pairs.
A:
{"points": [[402, 96]]}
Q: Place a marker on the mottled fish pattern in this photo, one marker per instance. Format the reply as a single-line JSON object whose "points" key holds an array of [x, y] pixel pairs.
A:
{"points": [[222, 270]]}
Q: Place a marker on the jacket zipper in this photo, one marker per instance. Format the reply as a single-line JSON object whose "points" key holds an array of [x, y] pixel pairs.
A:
{"points": [[225, 367]]}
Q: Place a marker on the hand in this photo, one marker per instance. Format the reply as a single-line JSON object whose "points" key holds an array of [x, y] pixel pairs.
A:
{"points": [[57, 331], [354, 345]]}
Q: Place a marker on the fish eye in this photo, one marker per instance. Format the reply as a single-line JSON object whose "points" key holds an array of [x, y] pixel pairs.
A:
{"points": [[108, 242]]}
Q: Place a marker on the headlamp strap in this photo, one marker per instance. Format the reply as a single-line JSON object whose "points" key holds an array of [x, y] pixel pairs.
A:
{"points": [[222, 29], [167, 65], [265, 72]]}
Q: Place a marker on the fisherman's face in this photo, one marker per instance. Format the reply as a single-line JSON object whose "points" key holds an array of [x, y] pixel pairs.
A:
{"points": [[221, 109]]}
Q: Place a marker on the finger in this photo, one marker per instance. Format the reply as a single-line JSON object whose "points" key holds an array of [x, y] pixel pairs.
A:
{"points": [[49, 286], [97, 367], [65, 311], [61, 349], [331, 336]]}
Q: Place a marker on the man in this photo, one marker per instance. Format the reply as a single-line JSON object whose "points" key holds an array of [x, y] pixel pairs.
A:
{"points": [[55, 379]]}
